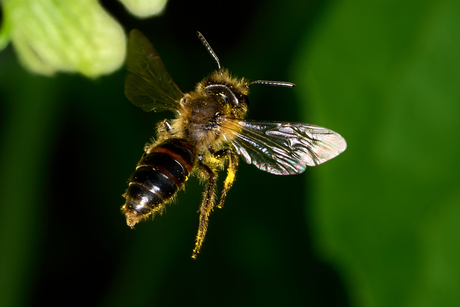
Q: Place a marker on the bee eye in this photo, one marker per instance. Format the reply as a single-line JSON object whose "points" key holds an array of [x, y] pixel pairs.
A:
{"points": [[228, 95], [224, 97]]}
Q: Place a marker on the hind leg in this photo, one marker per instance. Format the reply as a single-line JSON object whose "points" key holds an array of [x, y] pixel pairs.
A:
{"points": [[207, 205]]}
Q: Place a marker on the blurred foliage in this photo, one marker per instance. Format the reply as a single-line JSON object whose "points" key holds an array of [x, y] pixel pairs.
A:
{"points": [[144, 8], [389, 210], [374, 227], [72, 36]]}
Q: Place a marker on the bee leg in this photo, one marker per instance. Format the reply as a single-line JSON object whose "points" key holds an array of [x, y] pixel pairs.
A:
{"points": [[167, 125], [206, 207], [231, 171], [164, 131]]}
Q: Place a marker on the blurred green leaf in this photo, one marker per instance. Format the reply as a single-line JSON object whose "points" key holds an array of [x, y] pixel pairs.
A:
{"points": [[26, 139], [5, 32], [385, 75], [72, 36]]}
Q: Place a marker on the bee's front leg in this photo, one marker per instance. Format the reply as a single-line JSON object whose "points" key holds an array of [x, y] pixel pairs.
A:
{"points": [[164, 131]]}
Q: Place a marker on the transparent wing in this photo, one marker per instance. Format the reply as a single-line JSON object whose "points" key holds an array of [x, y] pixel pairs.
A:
{"points": [[283, 148], [148, 85]]}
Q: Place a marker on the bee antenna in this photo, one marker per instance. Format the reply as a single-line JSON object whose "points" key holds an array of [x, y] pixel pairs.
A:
{"points": [[271, 83], [208, 47]]}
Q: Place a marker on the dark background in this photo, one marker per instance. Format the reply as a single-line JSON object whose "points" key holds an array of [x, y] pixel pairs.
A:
{"points": [[377, 226]]}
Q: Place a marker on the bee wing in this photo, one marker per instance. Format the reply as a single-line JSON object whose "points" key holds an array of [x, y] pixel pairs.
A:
{"points": [[148, 85], [284, 148]]}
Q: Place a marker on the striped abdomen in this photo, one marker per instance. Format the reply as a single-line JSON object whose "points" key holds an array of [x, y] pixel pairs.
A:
{"points": [[158, 176]]}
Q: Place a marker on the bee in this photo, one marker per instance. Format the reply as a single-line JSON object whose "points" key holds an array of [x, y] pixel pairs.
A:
{"points": [[209, 133]]}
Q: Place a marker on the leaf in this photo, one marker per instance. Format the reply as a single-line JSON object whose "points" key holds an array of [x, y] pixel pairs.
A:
{"points": [[72, 36], [384, 74]]}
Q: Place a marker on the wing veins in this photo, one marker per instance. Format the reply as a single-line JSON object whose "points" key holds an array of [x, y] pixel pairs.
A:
{"points": [[148, 85], [284, 148]]}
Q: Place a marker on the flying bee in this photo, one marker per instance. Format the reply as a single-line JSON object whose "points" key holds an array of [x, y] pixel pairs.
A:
{"points": [[208, 134]]}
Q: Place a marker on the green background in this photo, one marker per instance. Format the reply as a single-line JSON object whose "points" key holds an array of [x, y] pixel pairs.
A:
{"points": [[376, 226]]}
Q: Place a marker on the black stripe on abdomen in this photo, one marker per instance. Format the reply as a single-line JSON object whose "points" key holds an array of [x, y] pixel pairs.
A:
{"points": [[158, 176]]}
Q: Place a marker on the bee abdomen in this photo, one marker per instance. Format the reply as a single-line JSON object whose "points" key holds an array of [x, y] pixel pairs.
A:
{"points": [[157, 178]]}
